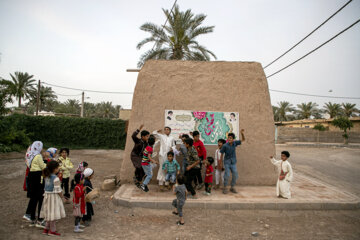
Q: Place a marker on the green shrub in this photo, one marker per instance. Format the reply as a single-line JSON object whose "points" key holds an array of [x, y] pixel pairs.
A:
{"points": [[65, 131], [320, 127]]}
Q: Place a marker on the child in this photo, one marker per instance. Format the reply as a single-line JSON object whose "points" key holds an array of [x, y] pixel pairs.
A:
{"points": [[88, 175], [183, 151], [179, 202], [200, 148], [285, 175], [167, 142], [137, 154], [53, 208], [171, 168], [35, 186], [78, 201], [81, 167], [146, 163], [219, 170], [52, 152], [209, 175], [193, 167], [65, 167], [229, 149]]}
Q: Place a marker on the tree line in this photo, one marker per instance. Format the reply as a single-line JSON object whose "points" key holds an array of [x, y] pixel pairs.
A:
{"points": [[22, 87], [285, 111]]}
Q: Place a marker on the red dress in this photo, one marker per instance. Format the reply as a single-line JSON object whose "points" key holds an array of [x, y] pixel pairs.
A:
{"points": [[79, 200], [209, 169]]}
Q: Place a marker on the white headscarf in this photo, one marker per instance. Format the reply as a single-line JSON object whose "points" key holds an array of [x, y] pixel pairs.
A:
{"points": [[52, 152], [32, 151], [88, 172]]}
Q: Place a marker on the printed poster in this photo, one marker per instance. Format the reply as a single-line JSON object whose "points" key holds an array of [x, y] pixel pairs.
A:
{"points": [[211, 125]]}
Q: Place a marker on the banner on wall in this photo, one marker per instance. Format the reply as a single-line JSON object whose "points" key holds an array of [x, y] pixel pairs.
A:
{"points": [[211, 125]]}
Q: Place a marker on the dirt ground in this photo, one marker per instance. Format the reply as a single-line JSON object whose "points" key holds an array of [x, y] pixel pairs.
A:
{"points": [[114, 222]]}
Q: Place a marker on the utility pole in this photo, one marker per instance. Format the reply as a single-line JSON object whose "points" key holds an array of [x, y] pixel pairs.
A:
{"points": [[82, 104], [38, 99]]}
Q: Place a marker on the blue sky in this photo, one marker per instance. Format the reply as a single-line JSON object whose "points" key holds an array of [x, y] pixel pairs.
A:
{"points": [[89, 44]]}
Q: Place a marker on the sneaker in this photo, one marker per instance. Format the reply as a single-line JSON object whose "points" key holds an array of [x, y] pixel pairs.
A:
{"points": [[78, 230], [40, 224], [138, 184], [27, 217], [200, 186], [144, 188], [233, 190], [81, 226], [87, 223], [206, 193], [225, 191], [55, 234], [45, 232], [32, 223]]}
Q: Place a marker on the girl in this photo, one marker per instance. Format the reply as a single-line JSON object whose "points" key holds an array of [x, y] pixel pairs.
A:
{"points": [[79, 201], [88, 174], [208, 175], [35, 188], [53, 208], [81, 167], [65, 167]]}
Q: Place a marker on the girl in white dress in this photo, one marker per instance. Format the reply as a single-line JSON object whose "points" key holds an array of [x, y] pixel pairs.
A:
{"points": [[285, 175], [52, 208]]}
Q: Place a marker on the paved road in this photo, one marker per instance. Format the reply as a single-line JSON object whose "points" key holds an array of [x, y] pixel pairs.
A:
{"points": [[339, 167]]}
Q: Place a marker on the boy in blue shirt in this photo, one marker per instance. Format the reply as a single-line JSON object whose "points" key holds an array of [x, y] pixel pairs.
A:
{"points": [[229, 162]]}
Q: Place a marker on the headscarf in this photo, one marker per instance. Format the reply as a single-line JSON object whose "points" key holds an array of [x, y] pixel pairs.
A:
{"points": [[33, 150], [52, 152], [88, 172], [80, 168]]}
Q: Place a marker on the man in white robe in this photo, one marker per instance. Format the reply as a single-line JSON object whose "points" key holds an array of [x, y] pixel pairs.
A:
{"points": [[285, 175], [167, 143]]}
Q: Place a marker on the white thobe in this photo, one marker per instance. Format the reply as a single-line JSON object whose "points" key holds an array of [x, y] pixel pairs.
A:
{"points": [[166, 144], [283, 186]]}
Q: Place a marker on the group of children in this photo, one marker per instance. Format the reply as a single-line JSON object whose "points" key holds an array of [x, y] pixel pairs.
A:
{"points": [[194, 157], [45, 179]]}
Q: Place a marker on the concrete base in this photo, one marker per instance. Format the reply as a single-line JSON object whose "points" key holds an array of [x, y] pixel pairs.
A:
{"points": [[307, 194]]}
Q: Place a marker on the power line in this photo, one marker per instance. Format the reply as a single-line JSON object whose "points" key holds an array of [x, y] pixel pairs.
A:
{"points": [[86, 90], [167, 19], [313, 95], [314, 49], [66, 95], [308, 34]]}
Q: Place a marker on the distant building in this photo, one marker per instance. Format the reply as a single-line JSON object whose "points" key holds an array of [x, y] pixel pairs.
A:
{"points": [[124, 114], [310, 123]]}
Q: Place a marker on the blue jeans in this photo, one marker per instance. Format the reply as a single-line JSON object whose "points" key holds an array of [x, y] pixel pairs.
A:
{"points": [[230, 167], [148, 171], [170, 176]]}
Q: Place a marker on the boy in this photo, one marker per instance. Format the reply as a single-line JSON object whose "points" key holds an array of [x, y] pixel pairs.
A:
{"points": [[193, 167], [229, 149], [208, 175], [171, 168], [183, 151], [219, 170], [200, 148], [167, 143], [137, 152], [179, 202], [65, 167], [145, 163], [285, 175]]}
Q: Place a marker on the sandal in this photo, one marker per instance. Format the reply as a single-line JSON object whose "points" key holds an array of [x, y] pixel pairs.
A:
{"points": [[179, 223], [175, 213]]}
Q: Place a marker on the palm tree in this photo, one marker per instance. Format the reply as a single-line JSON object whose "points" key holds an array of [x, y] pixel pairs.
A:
{"points": [[176, 40], [333, 109], [284, 108], [46, 100], [306, 110], [105, 110], [21, 85], [5, 97], [276, 113], [349, 109]]}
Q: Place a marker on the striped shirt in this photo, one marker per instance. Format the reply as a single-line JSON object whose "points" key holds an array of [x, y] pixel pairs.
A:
{"points": [[146, 153]]}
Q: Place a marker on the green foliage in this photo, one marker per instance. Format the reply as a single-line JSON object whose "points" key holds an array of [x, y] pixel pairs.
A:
{"points": [[349, 109], [320, 127], [344, 124], [333, 109], [11, 138], [177, 40], [69, 132], [20, 86], [306, 110]]}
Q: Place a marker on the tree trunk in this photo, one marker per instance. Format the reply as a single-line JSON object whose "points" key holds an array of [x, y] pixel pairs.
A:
{"points": [[19, 102]]}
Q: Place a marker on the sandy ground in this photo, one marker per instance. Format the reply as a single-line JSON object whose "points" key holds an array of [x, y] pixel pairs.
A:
{"points": [[114, 222]]}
